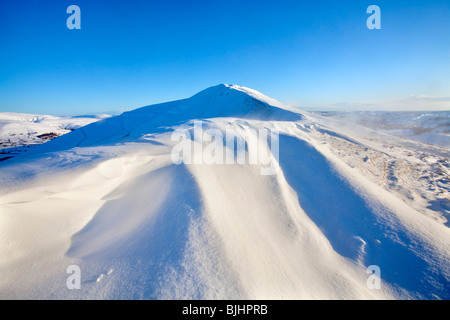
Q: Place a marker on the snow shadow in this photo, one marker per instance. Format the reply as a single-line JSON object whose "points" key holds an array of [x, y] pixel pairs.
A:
{"points": [[137, 235], [355, 228]]}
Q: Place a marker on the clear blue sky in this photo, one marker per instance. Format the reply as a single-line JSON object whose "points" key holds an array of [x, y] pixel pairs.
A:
{"points": [[313, 54]]}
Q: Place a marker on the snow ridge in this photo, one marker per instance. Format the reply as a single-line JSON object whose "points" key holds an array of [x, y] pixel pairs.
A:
{"points": [[108, 198]]}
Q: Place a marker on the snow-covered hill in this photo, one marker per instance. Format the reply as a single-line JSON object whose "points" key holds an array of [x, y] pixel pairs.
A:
{"points": [[109, 199], [19, 130]]}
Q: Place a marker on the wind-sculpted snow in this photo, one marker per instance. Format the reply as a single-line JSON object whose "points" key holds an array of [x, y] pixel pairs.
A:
{"points": [[109, 199], [359, 228]]}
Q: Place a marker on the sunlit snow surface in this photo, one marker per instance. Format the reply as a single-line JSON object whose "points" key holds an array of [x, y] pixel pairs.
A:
{"points": [[20, 131], [347, 194]]}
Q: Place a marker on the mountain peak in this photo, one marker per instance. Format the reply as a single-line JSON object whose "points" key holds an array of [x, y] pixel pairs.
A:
{"points": [[220, 101], [227, 89], [230, 100]]}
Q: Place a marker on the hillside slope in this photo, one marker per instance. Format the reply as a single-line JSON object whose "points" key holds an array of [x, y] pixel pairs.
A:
{"points": [[109, 198]]}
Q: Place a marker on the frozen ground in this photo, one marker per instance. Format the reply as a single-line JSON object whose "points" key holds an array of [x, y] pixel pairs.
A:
{"points": [[108, 198], [393, 151]]}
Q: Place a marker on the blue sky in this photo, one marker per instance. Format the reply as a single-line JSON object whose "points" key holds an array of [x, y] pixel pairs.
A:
{"points": [[312, 54]]}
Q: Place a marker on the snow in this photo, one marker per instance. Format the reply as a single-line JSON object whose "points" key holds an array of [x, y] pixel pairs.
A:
{"points": [[427, 127], [22, 129], [108, 198]]}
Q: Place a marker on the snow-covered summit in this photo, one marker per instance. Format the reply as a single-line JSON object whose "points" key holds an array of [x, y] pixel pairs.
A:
{"points": [[215, 102], [224, 100], [233, 95]]}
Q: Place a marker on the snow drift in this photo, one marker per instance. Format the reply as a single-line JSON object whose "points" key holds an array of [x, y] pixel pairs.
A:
{"points": [[107, 198]]}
